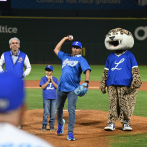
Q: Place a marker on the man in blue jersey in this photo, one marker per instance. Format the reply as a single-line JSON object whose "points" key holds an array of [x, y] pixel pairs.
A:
{"points": [[121, 77], [15, 60], [72, 67]]}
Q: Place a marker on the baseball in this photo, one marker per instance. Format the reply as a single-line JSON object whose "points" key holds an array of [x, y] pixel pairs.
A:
{"points": [[71, 37]]}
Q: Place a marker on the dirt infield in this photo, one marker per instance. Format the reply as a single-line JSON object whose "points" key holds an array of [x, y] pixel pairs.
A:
{"points": [[89, 125], [92, 85]]}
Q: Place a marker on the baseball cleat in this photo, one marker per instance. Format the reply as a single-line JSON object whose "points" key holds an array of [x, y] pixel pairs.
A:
{"points": [[110, 127], [126, 127], [70, 137], [60, 128], [43, 128]]}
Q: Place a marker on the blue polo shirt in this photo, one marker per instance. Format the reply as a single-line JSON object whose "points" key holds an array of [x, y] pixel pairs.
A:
{"points": [[72, 67], [50, 91], [120, 68]]}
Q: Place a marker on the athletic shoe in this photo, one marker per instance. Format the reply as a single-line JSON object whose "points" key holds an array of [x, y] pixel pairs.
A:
{"points": [[43, 128], [60, 128], [70, 137], [126, 127], [110, 127], [52, 129]]}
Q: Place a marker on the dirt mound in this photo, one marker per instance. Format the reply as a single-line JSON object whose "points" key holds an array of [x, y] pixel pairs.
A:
{"points": [[89, 128]]}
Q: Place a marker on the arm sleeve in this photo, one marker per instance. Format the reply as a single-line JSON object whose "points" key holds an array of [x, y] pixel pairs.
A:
{"points": [[41, 82], [107, 64], [27, 66], [133, 61], [56, 81], [61, 55], [2, 62], [84, 65]]}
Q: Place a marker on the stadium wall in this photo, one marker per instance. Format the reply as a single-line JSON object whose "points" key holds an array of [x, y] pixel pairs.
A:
{"points": [[39, 36]]}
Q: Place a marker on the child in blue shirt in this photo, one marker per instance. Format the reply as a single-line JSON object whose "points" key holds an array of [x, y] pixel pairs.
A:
{"points": [[49, 85]]}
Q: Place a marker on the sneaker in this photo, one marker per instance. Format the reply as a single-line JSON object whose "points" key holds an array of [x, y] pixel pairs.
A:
{"points": [[126, 127], [110, 127], [52, 129], [60, 128], [70, 137], [43, 128]]}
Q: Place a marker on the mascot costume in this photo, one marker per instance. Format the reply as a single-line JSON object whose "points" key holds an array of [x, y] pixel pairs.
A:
{"points": [[121, 77]]}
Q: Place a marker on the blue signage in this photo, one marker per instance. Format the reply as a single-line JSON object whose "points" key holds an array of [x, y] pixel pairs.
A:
{"points": [[79, 4]]}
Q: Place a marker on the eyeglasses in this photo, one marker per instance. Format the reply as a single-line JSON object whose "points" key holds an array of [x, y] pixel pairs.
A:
{"points": [[14, 43]]}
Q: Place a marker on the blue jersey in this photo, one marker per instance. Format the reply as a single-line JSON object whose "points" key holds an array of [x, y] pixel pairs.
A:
{"points": [[50, 91], [72, 67], [120, 67]]}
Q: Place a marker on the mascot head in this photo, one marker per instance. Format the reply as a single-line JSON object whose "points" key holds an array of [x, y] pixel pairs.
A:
{"points": [[119, 39]]}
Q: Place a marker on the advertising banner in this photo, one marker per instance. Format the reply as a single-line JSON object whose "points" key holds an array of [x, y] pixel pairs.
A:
{"points": [[78, 4], [38, 37]]}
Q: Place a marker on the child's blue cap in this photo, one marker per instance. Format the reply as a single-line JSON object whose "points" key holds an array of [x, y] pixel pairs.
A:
{"points": [[11, 92], [49, 68], [77, 43]]}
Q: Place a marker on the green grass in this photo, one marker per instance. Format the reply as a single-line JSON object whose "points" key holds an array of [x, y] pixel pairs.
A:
{"points": [[93, 100], [143, 72], [127, 140], [141, 107], [96, 74], [38, 71]]}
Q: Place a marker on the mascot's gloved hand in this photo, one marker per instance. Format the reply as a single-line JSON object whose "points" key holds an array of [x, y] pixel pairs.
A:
{"points": [[136, 82], [103, 89], [103, 82], [81, 90]]}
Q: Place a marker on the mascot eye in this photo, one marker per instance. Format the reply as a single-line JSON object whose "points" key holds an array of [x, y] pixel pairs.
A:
{"points": [[109, 34]]}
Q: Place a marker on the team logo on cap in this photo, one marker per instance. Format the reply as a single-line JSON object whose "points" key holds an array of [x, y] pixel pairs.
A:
{"points": [[76, 43], [20, 59], [4, 103]]}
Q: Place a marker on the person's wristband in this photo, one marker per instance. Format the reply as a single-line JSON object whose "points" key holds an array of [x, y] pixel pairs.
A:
{"points": [[87, 82]]}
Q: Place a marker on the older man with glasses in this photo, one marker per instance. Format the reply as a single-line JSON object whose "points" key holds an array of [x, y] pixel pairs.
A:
{"points": [[15, 60]]}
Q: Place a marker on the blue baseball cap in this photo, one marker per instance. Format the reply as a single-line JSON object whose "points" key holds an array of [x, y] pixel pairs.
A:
{"points": [[49, 68], [77, 43], [11, 92]]}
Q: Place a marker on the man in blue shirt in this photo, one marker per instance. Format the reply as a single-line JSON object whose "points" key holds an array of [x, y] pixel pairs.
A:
{"points": [[15, 60], [49, 85], [72, 67]]}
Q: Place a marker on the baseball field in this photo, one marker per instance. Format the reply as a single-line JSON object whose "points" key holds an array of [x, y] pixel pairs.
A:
{"points": [[91, 114]]}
